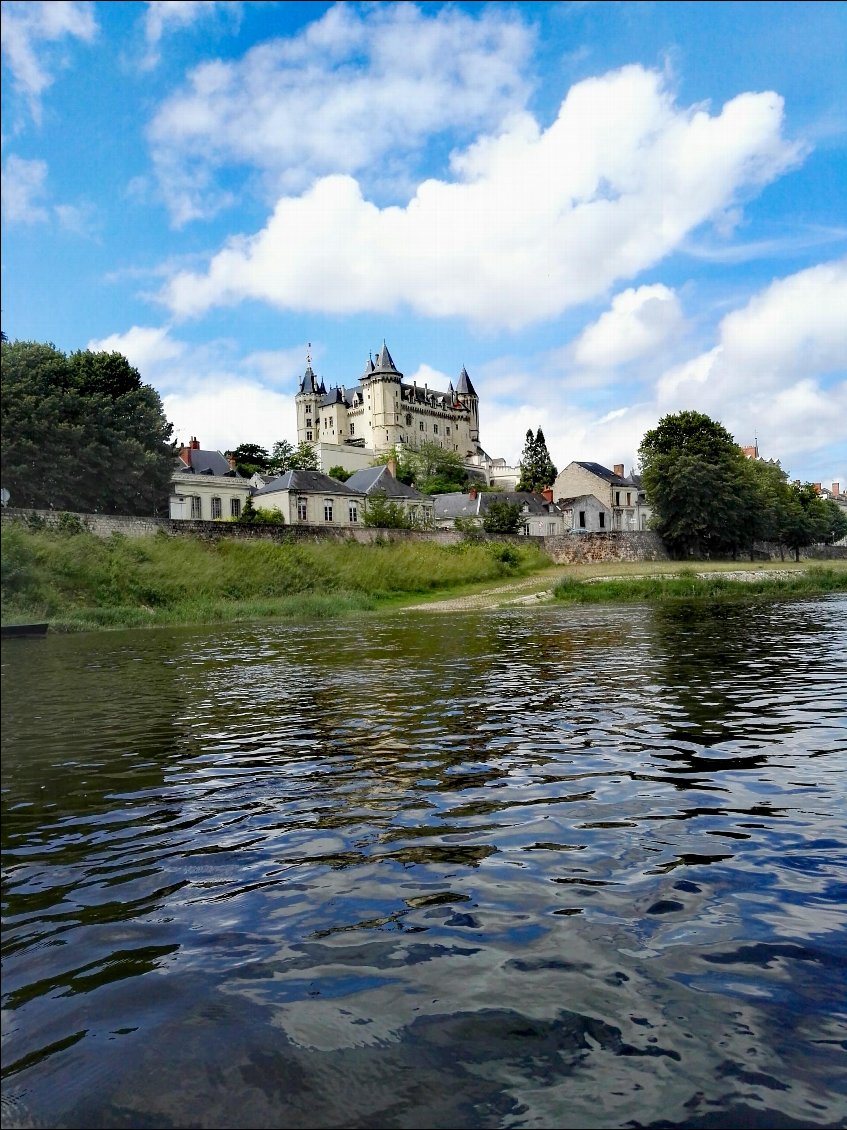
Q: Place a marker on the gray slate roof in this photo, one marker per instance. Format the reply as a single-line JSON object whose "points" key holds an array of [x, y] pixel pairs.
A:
{"points": [[205, 462], [310, 382], [464, 387], [384, 363], [458, 505], [305, 482], [567, 503], [379, 480], [604, 473]]}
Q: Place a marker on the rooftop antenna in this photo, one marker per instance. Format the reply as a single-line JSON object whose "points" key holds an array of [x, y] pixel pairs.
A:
{"points": [[309, 353]]}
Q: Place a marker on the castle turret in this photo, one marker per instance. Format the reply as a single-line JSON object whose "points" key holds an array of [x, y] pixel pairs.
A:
{"points": [[308, 400], [466, 393], [382, 384]]}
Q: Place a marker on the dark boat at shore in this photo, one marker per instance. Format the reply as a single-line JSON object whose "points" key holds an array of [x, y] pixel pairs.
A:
{"points": [[23, 629]]}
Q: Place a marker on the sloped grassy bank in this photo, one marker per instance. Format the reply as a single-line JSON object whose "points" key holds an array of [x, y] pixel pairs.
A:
{"points": [[79, 582], [690, 585]]}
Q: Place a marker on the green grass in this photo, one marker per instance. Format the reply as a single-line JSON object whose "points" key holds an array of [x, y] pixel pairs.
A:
{"points": [[687, 585], [77, 581]]}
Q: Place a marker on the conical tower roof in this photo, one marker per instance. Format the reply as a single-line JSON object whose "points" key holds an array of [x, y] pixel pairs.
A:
{"points": [[464, 387], [384, 363], [309, 382]]}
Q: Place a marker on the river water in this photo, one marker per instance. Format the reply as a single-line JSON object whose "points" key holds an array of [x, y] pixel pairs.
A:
{"points": [[547, 867]]}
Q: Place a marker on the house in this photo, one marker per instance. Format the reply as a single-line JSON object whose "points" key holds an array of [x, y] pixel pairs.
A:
{"points": [[373, 481], [585, 514], [310, 498], [206, 486], [622, 495], [540, 516]]}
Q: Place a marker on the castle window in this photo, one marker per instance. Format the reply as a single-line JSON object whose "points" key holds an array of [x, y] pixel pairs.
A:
{"points": [[352, 429], [235, 508], [435, 429], [408, 419], [327, 509], [447, 429], [421, 425], [308, 436], [216, 508], [302, 510], [308, 421], [354, 512]]}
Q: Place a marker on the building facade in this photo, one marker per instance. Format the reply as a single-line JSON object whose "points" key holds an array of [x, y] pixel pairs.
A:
{"points": [[205, 485], [622, 495]]}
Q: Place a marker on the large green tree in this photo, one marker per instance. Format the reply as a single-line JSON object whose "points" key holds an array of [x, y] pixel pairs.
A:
{"points": [[81, 432], [537, 468], [695, 478], [430, 468]]}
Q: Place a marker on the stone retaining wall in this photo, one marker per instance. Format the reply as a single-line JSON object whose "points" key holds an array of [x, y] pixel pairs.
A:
{"points": [[564, 549]]}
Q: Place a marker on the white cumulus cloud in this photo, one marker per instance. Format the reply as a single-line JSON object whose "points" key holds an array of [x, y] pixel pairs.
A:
{"points": [[164, 16], [534, 221], [357, 91], [639, 322], [27, 25], [24, 190]]}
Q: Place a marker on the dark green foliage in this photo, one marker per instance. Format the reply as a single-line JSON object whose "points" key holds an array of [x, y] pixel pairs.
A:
{"points": [[708, 499], [254, 515], [688, 586], [385, 515], [81, 432], [502, 518], [537, 468], [250, 459], [429, 468], [340, 473], [697, 481], [836, 522]]}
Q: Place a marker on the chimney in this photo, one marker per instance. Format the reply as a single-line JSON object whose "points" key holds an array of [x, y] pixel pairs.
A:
{"points": [[231, 460], [472, 494], [619, 470], [392, 467], [836, 490], [185, 454], [195, 443], [817, 487], [547, 494]]}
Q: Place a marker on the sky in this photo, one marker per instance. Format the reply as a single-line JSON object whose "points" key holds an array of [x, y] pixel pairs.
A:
{"points": [[607, 212]]}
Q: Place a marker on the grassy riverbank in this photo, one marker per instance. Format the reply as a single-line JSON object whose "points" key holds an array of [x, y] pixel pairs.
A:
{"points": [[79, 582], [690, 584]]}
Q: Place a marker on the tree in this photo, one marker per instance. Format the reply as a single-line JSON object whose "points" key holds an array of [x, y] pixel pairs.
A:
{"points": [[696, 481], [81, 432], [837, 522], [502, 517], [537, 468], [430, 468], [340, 473], [806, 520], [251, 459], [385, 515]]}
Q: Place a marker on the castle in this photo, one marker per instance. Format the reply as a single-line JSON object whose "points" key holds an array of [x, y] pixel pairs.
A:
{"points": [[383, 413]]}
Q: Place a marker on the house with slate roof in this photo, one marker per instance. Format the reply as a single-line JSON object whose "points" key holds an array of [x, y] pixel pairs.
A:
{"points": [[205, 485], [381, 412], [380, 481], [621, 495], [310, 498], [540, 515]]}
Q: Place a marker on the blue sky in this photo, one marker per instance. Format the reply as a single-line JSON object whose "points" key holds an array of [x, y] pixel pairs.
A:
{"points": [[606, 211]]}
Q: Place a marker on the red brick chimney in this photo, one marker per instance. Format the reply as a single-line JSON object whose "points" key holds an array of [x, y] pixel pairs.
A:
{"points": [[619, 470], [186, 449], [232, 463], [817, 487], [547, 494], [836, 489]]}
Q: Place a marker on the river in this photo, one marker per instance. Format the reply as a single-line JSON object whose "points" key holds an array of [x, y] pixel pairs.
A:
{"points": [[518, 867]]}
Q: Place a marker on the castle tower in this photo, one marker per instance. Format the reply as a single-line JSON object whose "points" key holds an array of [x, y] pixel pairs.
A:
{"points": [[382, 385], [466, 393], [308, 400]]}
